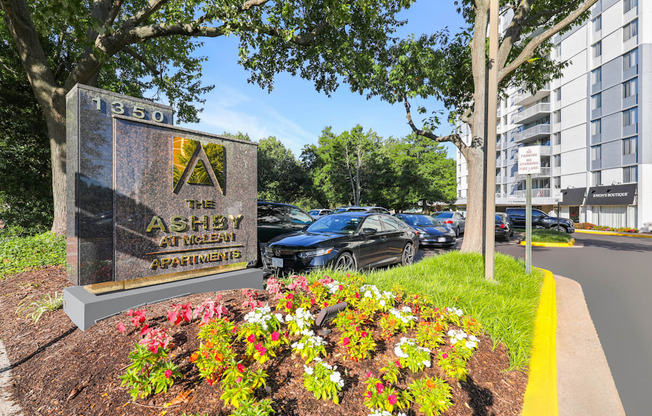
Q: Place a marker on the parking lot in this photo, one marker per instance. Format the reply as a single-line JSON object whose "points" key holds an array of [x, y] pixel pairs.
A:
{"points": [[432, 251]]}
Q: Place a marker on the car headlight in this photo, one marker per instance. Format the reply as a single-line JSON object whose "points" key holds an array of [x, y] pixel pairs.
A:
{"points": [[315, 253]]}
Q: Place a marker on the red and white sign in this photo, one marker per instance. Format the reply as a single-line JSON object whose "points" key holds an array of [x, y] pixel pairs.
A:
{"points": [[529, 160]]}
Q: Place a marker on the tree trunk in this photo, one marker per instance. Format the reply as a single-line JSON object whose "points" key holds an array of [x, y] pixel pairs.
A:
{"points": [[56, 122], [474, 230]]}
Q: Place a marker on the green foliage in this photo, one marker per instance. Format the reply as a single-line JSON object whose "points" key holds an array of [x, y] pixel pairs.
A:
{"points": [[281, 178], [550, 236], [36, 308], [150, 372], [20, 251], [432, 394]]}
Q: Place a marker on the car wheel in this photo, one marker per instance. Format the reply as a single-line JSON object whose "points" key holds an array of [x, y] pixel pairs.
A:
{"points": [[345, 261], [560, 228], [408, 254], [457, 232]]}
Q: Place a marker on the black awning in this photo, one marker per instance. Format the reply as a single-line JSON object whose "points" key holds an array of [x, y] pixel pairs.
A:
{"points": [[611, 195], [573, 196]]}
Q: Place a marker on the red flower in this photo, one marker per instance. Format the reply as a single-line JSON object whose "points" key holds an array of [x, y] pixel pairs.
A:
{"points": [[194, 357], [241, 368], [121, 328], [168, 373], [340, 287], [392, 399], [369, 374], [398, 363], [290, 296], [380, 388], [346, 341], [312, 301], [444, 356], [275, 336], [369, 394], [288, 305], [357, 295], [364, 334], [144, 330], [251, 338], [325, 304]]}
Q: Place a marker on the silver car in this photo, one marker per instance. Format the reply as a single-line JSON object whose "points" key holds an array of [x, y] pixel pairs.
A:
{"points": [[318, 213], [455, 220]]}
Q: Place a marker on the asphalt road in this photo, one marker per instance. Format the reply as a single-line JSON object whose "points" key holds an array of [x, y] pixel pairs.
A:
{"points": [[616, 277]]}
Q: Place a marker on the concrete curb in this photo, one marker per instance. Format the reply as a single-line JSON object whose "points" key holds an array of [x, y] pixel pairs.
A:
{"points": [[7, 406], [613, 233], [541, 244], [541, 392]]}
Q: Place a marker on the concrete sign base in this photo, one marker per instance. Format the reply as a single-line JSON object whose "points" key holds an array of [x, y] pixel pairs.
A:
{"points": [[85, 308]]}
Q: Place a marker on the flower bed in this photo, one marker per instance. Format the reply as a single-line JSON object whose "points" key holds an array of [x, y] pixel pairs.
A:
{"points": [[589, 226], [398, 352]]}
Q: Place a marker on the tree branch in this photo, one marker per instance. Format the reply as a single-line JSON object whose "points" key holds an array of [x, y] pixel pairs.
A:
{"points": [[142, 59], [453, 138], [531, 47]]}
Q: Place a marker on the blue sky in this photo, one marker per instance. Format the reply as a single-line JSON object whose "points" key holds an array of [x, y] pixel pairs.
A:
{"points": [[294, 112]]}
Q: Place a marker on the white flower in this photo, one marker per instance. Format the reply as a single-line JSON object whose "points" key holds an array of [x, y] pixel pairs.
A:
{"points": [[299, 346], [382, 302], [406, 309], [335, 377], [308, 370], [453, 341], [473, 338], [368, 294], [470, 345], [279, 317], [399, 352], [451, 333], [426, 363]]}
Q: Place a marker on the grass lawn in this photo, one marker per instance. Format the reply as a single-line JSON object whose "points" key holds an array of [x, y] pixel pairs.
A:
{"points": [[550, 236], [506, 309]]}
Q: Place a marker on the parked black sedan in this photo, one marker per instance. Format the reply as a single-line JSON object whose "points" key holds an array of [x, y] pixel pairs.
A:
{"points": [[504, 226], [430, 232], [350, 240]]}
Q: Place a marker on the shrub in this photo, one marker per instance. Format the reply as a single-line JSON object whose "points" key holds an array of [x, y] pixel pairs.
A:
{"points": [[20, 252]]}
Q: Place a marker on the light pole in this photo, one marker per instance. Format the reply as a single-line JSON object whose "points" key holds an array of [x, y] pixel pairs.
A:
{"points": [[490, 142]]}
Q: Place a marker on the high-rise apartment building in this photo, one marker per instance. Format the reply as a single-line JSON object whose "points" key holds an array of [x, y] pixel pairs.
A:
{"points": [[593, 125]]}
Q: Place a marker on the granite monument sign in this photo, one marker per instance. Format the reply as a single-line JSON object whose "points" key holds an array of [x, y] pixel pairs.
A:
{"points": [[153, 204]]}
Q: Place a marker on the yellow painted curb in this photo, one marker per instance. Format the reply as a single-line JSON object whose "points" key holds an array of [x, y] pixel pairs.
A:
{"points": [[613, 233], [541, 392], [537, 244]]}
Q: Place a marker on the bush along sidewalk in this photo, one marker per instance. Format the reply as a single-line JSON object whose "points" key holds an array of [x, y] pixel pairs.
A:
{"points": [[20, 252]]}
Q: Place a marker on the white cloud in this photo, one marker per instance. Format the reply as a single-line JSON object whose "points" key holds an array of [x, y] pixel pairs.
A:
{"points": [[230, 110]]}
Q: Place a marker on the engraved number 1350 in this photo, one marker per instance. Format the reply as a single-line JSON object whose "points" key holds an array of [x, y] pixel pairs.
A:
{"points": [[118, 107]]}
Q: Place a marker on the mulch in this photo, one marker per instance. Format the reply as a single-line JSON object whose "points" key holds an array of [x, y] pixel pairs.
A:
{"points": [[57, 369]]}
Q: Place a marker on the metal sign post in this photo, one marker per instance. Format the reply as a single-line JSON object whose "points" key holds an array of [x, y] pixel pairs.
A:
{"points": [[529, 162]]}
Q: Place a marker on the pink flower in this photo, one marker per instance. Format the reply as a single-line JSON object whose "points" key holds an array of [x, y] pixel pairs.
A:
{"points": [[312, 301], [275, 336], [325, 304], [340, 287], [398, 363], [392, 399], [364, 334], [357, 295], [261, 349], [121, 328], [144, 330], [290, 296], [251, 338], [288, 305], [380, 388], [369, 394], [241, 368], [168, 373], [444, 356], [369, 374], [238, 380], [346, 341]]}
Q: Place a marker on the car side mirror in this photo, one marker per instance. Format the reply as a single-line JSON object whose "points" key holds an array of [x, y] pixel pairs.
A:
{"points": [[368, 231]]}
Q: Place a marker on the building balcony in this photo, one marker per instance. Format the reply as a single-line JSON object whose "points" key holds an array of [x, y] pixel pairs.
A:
{"points": [[536, 193], [537, 132], [526, 98], [543, 173], [532, 113]]}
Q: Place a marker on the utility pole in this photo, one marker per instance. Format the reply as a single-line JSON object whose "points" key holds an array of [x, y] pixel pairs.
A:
{"points": [[490, 142]]}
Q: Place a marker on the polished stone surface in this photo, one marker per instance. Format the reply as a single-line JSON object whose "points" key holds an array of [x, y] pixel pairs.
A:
{"points": [[89, 166]]}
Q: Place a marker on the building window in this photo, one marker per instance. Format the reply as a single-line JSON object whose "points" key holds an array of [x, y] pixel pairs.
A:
{"points": [[630, 146], [629, 5], [630, 60], [557, 116], [558, 94], [596, 76], [557, 138], [596, 127], [597, 49], [630, 174], [630, 117], [630, 30], [596, 152], [556, 160], [558, 50], [596, 178], [597, 23], [557, 182], [630, 88], [596, 101]]}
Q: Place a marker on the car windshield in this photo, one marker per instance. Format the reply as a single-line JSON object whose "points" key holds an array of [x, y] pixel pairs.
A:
{"points": [[341, 224], [445, 215], [418, 220], [338, 210]]}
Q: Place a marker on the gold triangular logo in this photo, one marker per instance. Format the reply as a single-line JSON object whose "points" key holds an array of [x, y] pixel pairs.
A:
{"points": [[197, 164]]}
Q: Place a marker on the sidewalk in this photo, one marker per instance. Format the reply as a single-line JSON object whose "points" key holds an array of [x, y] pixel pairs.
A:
{"points": [[584, 381]]}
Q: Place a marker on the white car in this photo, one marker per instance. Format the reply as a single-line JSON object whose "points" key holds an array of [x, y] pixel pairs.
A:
{"points": [[455, 220]]}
